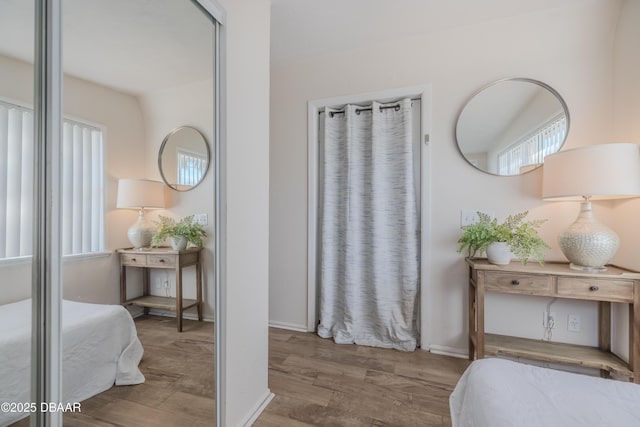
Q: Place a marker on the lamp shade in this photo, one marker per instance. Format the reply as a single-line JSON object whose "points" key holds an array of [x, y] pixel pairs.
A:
{"points": [[140, 193], [604, 171]]}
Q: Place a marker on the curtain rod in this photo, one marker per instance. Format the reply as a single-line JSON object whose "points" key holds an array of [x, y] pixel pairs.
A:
{"points": [[396, 107]]}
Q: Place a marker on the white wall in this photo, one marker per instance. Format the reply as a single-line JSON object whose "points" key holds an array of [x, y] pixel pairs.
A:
{"points": [[569, 48], [94, 279], [164, 110], [245, 302]]}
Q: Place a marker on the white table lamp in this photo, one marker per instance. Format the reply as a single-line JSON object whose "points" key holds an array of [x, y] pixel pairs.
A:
{"points": [[596, 172], [140, 194]]}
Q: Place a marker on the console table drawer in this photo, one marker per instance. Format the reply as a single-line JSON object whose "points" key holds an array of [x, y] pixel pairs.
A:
{"points": [[162, 260], [597, 289], [133, 259], [517, 283]]}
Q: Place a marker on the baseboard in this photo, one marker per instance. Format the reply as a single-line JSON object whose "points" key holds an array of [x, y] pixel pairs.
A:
{"points": [[259, 408], [288, 326], [449, 351]]}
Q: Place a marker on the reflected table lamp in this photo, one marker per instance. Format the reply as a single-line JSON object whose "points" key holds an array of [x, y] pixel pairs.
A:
{"points": [[596, 172], [140, 194]]}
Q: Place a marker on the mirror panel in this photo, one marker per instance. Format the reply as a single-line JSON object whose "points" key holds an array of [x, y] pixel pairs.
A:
{"points": [[184, 158], [509, 126]]}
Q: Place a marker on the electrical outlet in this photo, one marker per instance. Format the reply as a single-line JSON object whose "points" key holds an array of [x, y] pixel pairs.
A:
{"points": [[202, 219], [573, 323], [468, 217], [549, 320], [166, 285]]}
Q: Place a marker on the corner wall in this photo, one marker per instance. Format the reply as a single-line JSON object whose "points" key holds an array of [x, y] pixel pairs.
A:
{"points": [[96, 279], [246, 270], [626, 128], [164, 110], [572, 54]]}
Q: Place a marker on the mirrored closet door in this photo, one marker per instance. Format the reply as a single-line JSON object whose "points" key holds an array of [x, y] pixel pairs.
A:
{"points": [[130, 72]]}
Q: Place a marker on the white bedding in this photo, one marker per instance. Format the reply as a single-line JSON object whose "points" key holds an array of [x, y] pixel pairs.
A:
{"points": [[500, 393], [100, 349]]}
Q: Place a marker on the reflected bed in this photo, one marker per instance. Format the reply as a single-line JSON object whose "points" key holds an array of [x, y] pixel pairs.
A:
{"points": [[500, 393], [100, 348]]}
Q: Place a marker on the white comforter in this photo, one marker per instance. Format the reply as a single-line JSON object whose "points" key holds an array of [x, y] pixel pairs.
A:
{"points": [[100, 349], [500, 393]]}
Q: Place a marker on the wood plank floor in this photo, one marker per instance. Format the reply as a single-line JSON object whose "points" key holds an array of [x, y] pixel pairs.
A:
{"points": [[316, 382], [179, 388], [320, 383]]}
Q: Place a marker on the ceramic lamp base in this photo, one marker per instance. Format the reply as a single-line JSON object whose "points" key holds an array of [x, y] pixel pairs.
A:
{"points": [[588, 244], [141, 232]]}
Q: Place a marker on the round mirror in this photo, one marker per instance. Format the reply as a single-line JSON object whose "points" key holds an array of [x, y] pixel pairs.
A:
{"points": [[509, 126], [184, 158]]}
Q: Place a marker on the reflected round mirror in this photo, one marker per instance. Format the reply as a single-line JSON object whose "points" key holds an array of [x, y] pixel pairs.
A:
{"points": [[510, 126], [184, 158]]}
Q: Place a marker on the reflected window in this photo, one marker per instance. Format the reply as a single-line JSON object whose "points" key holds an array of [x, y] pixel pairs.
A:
{"points": [[82, 189], [533, 148], [16, 180], [82, 184], [191, 167]]}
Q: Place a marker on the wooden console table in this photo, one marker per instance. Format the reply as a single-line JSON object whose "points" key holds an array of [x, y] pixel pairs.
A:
{"points": [[559, 281], [162, 258]]}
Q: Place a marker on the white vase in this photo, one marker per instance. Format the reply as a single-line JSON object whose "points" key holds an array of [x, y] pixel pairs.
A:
{"points": [[178, 243], [499, 253]]}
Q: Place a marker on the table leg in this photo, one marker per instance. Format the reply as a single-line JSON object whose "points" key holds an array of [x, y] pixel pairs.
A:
{"points": [[634, 334], [123, 284], [480, 315], [145, 285], [472, 320], [179, 297], [199, 289]]}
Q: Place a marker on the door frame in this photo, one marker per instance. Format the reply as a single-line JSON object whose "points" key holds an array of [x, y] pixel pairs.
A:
{"points": [[313, 109]]}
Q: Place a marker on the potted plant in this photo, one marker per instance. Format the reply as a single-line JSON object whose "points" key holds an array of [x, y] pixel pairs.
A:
{"points": [[182, 232], [515, 235]]}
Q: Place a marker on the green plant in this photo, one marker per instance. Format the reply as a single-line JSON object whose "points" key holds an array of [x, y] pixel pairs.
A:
{"points": [[186, 227], [521, 236]]}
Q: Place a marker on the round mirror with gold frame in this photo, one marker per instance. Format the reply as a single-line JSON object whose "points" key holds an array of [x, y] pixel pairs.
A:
{"points": [[509, 126], [184, 158]]}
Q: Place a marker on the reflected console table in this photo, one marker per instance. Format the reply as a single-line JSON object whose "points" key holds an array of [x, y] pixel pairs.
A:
{"points": [[557, 280], [162, 258]]}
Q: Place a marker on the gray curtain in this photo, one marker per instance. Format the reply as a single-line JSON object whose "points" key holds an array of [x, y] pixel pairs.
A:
{"points": [[369, 233]]}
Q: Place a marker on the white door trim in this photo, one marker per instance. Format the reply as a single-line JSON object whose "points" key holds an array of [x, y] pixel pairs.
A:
{"points": [[313, 109]]}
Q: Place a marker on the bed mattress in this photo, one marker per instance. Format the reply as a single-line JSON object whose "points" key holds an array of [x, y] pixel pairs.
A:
{"points": [[100, 348], [500, 393]]}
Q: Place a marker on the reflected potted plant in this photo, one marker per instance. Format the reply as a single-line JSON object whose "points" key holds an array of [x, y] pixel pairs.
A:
{"points": [[182, 232], [513, 237]]}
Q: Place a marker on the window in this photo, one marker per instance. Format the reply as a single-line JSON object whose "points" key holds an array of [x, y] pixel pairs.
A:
{"points": [[191, 167], [532, 149], [82, 185]]}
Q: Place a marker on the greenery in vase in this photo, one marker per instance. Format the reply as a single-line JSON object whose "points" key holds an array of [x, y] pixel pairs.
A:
{"points": [[186, 227], [521, 236]]}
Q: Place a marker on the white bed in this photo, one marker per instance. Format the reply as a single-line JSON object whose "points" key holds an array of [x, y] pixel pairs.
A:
{"points": [[499, 393], [100, 348]]}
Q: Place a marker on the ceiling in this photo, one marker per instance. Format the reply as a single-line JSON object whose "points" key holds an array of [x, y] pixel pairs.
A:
{"points": [[305, 28], [138, 46], [135, 46]]}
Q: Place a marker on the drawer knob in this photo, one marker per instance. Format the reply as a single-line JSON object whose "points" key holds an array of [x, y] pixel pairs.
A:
{"points": [[161, 260], [594, 288], [133, 259], [515, 282]]}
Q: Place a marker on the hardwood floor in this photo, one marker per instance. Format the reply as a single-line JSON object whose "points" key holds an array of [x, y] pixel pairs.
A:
{"points": [[316, 382], [179, 388], [320, 383]]}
